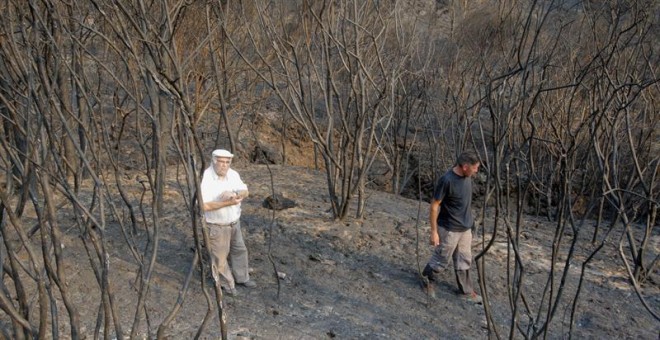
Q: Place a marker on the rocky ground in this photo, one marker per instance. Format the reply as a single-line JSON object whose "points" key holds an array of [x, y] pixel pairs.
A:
{"points": [[357, 279]]}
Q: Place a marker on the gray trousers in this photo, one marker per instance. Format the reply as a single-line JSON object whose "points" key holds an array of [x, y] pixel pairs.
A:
{"points": [[226, 243], [456, 245]]}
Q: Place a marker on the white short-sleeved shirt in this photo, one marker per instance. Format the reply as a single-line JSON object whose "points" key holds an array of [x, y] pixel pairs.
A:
{"points": [[212, 187]]}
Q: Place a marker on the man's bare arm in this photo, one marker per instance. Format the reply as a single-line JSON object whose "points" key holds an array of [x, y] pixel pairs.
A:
{"points": [[433, 220], [234, 198]]}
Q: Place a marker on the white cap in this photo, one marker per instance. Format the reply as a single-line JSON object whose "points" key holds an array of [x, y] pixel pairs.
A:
{"points": [[222, 153]]}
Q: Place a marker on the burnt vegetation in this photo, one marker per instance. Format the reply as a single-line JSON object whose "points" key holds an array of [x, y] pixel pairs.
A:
{"points": [[101, 102]]}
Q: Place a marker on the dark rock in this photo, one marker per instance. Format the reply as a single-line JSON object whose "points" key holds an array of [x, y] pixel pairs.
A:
{"points": [[278, 202]]}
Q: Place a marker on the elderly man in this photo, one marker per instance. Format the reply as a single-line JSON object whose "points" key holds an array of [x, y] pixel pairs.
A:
{"points": [[222, 192]]}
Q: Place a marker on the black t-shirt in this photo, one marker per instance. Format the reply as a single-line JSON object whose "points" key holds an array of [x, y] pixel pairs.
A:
{"points": [[455, 192]]}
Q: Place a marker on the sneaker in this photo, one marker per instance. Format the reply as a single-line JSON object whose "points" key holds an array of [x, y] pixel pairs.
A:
{"points": [[248, 284], [473, 298], [230, 291]]}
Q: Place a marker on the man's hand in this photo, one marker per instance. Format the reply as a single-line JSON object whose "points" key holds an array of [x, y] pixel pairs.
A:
{"points": [[235, 200], [227, 195], [230, 198], [435, 239]]}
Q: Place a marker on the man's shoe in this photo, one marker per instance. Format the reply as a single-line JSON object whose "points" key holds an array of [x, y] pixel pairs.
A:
{"points": [[230, 291], [429, 274], [248, 284], [428, 288], [473, 298], [428, 277]]}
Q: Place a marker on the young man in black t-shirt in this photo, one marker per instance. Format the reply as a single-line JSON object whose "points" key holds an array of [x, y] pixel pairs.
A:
{"points": [[451, 225]]}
